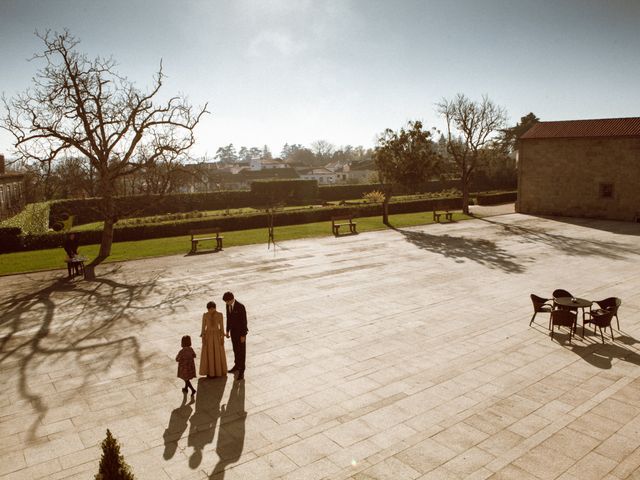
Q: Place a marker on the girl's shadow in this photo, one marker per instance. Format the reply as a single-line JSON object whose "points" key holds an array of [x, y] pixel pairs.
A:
{"points": [[177, 426]]}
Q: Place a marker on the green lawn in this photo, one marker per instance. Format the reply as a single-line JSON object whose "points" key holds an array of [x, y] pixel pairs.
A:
{"points": [[21, 262]]}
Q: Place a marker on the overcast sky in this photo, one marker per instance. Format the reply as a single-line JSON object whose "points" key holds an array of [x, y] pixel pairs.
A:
{"points": [[276, 71]]}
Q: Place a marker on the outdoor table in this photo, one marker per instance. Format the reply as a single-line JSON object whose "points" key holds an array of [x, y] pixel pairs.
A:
{"points": [[574, 303]]}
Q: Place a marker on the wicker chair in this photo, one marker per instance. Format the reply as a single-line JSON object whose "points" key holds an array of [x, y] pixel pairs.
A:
{"points": [[612, 304], [564, 318], [540, 305], [600, 319], [559, 293]]}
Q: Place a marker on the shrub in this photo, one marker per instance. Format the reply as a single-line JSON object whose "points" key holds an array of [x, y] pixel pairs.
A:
{"points": [[112, 464], [375, 196]]}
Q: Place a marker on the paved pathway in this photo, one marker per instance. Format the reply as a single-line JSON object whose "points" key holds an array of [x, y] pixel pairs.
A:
{"points": [[388, 355]]}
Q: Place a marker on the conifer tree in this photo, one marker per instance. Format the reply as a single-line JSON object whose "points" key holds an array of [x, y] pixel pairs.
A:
{"points": [[112, 464]]}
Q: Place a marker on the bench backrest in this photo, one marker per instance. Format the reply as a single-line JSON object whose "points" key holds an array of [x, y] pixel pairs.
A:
{"points": [[343, 217], [204, 231]]}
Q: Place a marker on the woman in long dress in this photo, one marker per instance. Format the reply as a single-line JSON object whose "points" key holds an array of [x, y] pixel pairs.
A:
{"points": [[213, 361]]}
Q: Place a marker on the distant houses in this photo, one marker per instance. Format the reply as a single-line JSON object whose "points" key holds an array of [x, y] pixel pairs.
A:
{"points": [[212, 176], [581, 168]]}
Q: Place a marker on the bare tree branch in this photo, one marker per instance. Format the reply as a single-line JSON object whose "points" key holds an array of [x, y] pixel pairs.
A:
{"points": [[82, 108], [470, 128]]}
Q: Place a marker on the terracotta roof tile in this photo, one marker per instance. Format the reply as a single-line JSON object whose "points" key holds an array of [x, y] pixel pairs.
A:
{"points": [[603, 127]]}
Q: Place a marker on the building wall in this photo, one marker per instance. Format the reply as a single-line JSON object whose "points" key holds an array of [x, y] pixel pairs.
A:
{"points": [[321, 178], [565, 177]]}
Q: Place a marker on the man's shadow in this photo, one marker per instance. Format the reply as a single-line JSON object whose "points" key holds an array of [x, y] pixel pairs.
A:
{"points": [[232, 431], [204, 419], [177, 426]]}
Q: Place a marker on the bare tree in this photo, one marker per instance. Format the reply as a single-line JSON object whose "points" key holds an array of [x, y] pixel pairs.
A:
{"points": [[82, 107], [322, 150], [470, 127]]}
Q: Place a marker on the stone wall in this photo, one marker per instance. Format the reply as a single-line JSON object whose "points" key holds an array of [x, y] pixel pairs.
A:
{"points": [[566, 177]]}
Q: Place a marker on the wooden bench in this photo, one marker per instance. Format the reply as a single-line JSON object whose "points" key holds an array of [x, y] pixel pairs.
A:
{"points": [[209, 236], [335, 227], [447, 215]]}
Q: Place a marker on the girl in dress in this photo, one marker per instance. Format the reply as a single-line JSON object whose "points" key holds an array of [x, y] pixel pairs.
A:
{"points": [[213, 361], [186, 364]]}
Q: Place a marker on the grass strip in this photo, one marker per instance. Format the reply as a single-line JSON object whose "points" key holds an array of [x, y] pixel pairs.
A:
{"points": [[22, 262]]}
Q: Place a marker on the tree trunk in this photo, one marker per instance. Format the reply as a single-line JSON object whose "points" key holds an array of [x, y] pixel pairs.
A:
{"points": [[110, 218], [465, 193], [385, 206], [107, 238]]}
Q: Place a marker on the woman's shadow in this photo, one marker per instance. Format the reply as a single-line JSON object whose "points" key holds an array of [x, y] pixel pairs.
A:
{"points": [[232, 431], [177, 426], [204, 419]]}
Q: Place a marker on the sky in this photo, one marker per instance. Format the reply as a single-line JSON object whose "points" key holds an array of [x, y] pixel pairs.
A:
{"points": [[295, 71]]}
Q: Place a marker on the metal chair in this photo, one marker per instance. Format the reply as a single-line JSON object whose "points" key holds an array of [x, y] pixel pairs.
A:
{"points": [[540, 305], [564, 318], [600, 319], [612, 304]]}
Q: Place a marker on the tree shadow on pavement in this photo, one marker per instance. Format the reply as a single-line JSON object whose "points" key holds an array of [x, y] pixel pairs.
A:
{"points": [[612, 226], [565, 244], [75, 324], [482, 251]]}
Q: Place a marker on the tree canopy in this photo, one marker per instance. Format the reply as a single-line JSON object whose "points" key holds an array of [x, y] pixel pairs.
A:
{"points": [[407, 157], [511, 135]]}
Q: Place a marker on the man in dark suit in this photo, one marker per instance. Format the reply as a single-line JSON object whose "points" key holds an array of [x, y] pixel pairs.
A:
{"points": [[237, 330]]}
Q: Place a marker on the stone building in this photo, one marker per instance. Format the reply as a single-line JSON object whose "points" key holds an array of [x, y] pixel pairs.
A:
{"points": [[11, 191], [581, 168]]}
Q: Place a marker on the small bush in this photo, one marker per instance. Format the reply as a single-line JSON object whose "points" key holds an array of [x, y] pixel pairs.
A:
{"points": [[112, 464], [375, 196]]}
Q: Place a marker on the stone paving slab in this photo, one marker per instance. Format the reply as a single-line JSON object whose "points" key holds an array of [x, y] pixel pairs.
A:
{"points": [[386, 355]]}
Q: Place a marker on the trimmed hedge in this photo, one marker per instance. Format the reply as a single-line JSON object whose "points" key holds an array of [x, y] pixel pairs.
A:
{"points": [[496, 198], [234, 223], [88, 210], [330, 193], [288, 192], [34, 218]]}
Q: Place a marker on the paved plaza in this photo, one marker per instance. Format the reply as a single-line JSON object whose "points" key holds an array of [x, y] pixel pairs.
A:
{"points": [[402, 354]]}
